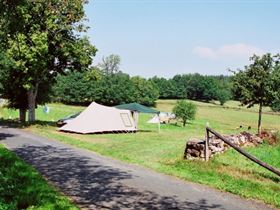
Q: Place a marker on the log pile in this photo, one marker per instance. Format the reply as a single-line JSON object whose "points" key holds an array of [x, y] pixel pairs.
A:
{"points": [[195, 147]]}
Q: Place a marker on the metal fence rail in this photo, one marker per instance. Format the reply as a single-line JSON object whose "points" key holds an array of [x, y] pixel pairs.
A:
{"points": [[238, 149]]}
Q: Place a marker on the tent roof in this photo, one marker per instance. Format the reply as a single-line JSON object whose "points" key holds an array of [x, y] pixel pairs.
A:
{"points": [[137, 107], [97, 118]]}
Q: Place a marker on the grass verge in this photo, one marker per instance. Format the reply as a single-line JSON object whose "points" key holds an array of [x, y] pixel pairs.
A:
{"points": [[22, 187]]}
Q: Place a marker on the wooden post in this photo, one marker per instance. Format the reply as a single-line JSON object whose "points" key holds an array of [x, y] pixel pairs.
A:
{"points": [[206, 148], [243, 152]]}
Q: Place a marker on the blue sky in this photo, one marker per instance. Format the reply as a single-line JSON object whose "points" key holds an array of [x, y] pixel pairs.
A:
{"points": [[168, 37]]}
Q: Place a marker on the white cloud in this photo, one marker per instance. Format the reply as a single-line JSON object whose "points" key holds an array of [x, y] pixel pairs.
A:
{"points": [[204, 52], [238, 50]]}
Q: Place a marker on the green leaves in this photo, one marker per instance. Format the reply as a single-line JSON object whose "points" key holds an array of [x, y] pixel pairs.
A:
{"points": [[185, 111], [41, 39], [254, 85], [94, 85]]}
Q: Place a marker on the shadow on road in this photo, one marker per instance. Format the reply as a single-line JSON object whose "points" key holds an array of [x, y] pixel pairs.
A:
{"points": [[94, 186], [4, 136]]}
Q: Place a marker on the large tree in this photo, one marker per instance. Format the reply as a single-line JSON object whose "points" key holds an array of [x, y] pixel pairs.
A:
{"points": [[255, 84], [41, 39]]}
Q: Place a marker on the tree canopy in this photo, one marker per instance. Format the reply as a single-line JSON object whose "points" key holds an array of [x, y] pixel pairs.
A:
{"points": [[118, 88], [185, 111], [256, 84], [39, 40]]}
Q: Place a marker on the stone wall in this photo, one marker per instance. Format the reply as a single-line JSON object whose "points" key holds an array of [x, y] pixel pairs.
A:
{"points": [[195, 147]]}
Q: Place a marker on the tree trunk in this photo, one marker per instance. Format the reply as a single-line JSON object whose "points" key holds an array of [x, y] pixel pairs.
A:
{"points": [[32, 94], [260, 119], [22, 115]]}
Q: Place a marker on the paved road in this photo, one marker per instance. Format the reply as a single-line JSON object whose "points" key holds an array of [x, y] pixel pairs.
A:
{"points": [[97, 182]]}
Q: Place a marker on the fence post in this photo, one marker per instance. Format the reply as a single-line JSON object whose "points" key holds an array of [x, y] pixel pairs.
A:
{"points": [[238, 149], [206, 148]]}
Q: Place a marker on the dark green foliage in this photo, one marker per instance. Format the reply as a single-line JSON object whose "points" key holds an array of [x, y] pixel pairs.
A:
{"points": [[22, 187], [195, 87], [253, 84], [166, 88], [40, 39], [181, 82], [257, 83], [72, 88], [202, 88], [10, 81], [113, 90], [223, 95], [104, 84], [224, 91], [275, 77], [144, 91], [275, 106], [117, 88], [185, 111], [11, 86], [108, 89]]}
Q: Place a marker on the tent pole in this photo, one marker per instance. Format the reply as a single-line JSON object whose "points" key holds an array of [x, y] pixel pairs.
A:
{"points": [[135, 117], [158, 124]]}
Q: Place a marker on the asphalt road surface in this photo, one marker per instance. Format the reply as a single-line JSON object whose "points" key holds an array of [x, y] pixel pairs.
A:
{"points": [[96, 182]]}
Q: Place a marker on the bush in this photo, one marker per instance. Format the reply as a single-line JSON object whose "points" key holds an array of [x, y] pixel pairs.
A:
{"points": [[185, 111], [223, 96]]}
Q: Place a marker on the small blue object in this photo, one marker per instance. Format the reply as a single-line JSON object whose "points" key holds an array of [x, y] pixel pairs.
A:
{"points": [[46, 109]]}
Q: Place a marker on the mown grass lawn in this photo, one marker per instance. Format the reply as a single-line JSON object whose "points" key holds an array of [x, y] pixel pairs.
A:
{"points": [[22, 187], [163, 151]]}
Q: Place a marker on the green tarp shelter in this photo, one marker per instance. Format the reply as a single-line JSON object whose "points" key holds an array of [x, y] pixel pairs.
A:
{"points": [[137, 108]]}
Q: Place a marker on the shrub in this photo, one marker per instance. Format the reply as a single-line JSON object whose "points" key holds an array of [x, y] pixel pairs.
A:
{"points": [[185, 111]]}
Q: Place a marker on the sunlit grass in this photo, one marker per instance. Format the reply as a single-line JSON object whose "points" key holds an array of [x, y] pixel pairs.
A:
{"points": [[22, 187], [163, 151]]}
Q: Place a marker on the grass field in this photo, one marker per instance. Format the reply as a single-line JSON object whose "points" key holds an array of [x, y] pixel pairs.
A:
{"points": [[163, 151], [21, 187]]}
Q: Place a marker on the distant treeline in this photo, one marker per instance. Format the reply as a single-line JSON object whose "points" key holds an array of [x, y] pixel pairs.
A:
{"points": [[117, 88], [195, 87]]}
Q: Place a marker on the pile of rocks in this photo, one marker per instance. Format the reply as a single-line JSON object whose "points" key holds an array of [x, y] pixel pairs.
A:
{"points": [[195, 148], [270, 136]]}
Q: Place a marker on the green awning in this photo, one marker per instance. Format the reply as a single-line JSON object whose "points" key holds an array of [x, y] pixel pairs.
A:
{"points": [[137, 107]]}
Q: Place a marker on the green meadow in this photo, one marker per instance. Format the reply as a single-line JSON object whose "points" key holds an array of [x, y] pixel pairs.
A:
{"points": [[163, 151]]}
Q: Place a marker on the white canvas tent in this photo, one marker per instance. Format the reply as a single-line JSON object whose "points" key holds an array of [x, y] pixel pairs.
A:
{"points": [[155, 119], [163, 117], [97, 118]]}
